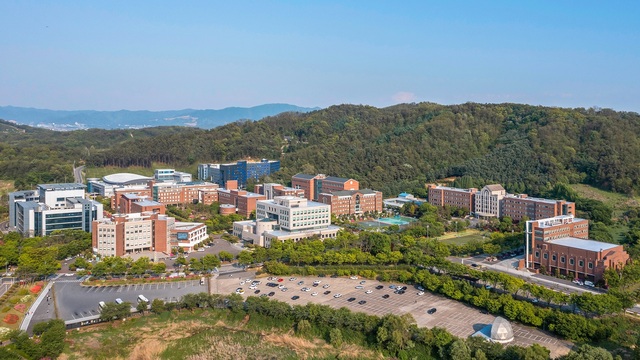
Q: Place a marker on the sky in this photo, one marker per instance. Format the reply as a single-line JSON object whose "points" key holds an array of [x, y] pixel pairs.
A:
{"points": [[162, 55]]}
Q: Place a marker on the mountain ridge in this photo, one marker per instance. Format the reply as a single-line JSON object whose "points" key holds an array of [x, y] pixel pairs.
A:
{"points": [[66, 120]]}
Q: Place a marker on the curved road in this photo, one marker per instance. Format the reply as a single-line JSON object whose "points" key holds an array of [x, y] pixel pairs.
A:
{"points": [[77, 174]]}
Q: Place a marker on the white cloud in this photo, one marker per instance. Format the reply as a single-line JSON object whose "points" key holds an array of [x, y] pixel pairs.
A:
{"points": [[403, 97]]}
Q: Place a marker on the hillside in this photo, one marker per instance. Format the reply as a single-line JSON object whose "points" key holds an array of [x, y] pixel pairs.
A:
{"points": [[527, 148], [125, 119]]}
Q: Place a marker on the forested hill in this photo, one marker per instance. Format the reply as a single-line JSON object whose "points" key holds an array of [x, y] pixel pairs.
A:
{"points": [[398, 148], [524, 147]]}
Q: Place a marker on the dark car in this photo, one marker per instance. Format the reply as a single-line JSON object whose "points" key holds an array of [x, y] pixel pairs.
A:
{"points": [[295, 297], [379, 287], [334, 276], [327, 292], [351, 299], [385, 296], [431, 311], [257, 291], [483, 311], [315, 285], [272, 293], [362, 302]]}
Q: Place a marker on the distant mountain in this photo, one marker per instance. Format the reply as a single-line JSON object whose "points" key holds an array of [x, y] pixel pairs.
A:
{"points": [[125, 119]]}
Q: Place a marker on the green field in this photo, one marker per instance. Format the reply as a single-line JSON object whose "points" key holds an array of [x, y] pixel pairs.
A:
{"points": [[618, 202], [462, 237]]}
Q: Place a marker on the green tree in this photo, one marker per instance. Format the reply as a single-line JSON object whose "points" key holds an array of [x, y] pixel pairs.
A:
{"points": [[335, 337], [157, 306], [225, 256]]}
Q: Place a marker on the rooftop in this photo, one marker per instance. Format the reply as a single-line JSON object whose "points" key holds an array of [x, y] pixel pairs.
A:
{"points": [[558, 220], [148, 203], [63, 186], [304, 176], [495, 187], [351, 192], [455, 189], [313, 231], [336, 179], [125, 178], [590, 245]]}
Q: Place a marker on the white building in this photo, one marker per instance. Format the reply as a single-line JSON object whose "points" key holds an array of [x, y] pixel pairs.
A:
{"points": [[286, 217], [188, 234], [488, 200], [172, 175], [52, 207], [108, 183]]}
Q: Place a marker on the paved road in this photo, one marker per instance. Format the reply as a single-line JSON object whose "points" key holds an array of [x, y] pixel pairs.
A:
{"points": [[77, 174]]}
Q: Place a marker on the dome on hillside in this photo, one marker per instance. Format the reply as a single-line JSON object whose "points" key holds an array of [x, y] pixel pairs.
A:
{"points": [[501, 330]]}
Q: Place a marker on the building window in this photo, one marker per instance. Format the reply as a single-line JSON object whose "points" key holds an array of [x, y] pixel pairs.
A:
{"points": [[537, 254], [545, 256], [562, 259], [554, 258], [571, 261], [590, 265], [581, 263]]}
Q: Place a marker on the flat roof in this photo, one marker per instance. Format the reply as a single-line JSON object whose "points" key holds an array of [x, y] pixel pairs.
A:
{"points": [[590, 245], [148, 203], [303, 232], [455, 189], [304, 176], [63, 186]]}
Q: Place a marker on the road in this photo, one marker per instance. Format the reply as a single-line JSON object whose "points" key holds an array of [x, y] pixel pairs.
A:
{"points": [[77, 174]]}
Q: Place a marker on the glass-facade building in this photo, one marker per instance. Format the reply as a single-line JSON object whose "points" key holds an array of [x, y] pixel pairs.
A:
{"points": [[241, 171]]}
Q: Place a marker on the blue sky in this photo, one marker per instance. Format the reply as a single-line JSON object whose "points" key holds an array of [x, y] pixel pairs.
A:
{"points": [[160, 55]]}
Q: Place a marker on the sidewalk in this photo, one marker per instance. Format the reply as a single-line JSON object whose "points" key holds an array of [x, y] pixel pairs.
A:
{"points": [[43, 294]]}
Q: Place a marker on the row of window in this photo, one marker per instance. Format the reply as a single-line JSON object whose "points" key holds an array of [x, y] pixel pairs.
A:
{"points": [[562, 260]]}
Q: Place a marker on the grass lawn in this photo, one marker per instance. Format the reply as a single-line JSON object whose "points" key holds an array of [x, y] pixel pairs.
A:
{"points": [[462, 237], [21, 297], [618, 202], [618, 232]]}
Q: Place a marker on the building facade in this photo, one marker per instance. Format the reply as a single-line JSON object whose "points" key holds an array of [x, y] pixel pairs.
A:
{"points": [[561, 244], [271, 190], [173, 193], [454, 197], [132, 233], [352, 202], [284, 218], [241, 171], [314, 185], [517, 207], [488, 200], [52, 207], [187, 235]]}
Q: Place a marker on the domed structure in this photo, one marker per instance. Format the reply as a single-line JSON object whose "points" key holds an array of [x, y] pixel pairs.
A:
{"points": [[501, 331]]}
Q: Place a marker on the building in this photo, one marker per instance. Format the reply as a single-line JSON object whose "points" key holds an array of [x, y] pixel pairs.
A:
{"points": [[187, 235], [172, 175], [107, 186], [176, 193], [314, 185], [401, 200], [271, 190], [352, 202], [454, 197], [286, 218], [52, 207], [517, 207], [500, 331], [561, 244], [241, 171], [244, 201], [488, 200], [132, 233], [137, 192], [131, 203]]}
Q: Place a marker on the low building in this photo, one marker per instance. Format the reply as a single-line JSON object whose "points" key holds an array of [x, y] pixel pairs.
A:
{"points": [[561, 244], [110, 183], [187, 235], [52, 207], [314, 185], [517, 207], [286, 218], [177, 193], [454, 197], [271, 190], [171, 175], [119, 194], [499, 331], [401, 200], [244, 201], [352, 202]]}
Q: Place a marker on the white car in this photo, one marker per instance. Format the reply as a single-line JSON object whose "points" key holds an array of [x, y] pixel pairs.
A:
{"points": [[241, 282], [359, 287], [368, 291], [420, 293], [317, 282], [325, 286], [241, 291], [314, 294], [354, 277], [306, 289], [284, 289], [253, 287], [280, 286], [292, 279], [337, 295]]}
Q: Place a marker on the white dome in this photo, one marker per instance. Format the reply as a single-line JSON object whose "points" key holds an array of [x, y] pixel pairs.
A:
{"points": [[126, 179], [501, 330]]}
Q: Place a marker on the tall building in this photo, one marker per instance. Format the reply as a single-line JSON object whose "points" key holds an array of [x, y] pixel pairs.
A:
{"points": [[240, 171], [561, 243], [454, 197], [284, 218], [352, 202], [488, 200], [52, 207], [519, 206]]}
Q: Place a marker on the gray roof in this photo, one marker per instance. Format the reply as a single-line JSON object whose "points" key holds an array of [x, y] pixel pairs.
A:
{"points": [[351, 192], [63, 186], [336, 179], [501, 330], [148, 203], [495, 187], [590, 245], [304, 176]]}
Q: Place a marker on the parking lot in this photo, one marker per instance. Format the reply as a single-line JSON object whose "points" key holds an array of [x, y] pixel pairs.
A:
{"points": [[459, 319], [74, 301]]}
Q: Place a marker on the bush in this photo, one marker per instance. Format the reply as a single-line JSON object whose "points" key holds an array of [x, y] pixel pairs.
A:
{"points": [[14, 300], [6, 309], [23, 292]]}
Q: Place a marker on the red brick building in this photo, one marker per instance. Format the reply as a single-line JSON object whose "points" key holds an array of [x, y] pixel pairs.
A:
{"points": [[350, 202], [314, 185], [180, 193], [562, 243], [454, 197], [519, 206], [130, 233], [271, 190], [243, 200], [119, 193]]}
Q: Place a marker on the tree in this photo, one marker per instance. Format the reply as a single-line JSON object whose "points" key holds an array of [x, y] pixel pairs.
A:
{"points": [[157, 306], [458, 350], [209, 262], [588, 352], [245, 257], [225, 256], [142, 306], [335, 337], [112, 311]]}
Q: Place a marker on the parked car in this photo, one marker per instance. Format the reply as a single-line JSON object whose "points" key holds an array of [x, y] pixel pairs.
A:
{"points": [[368, 291], [431, 311], [351, 299], [295, 297], [359, 287], [385, 296], [337, 295], [420, 293], [353, 277], [379, 287], [589, 283], [325, 286], [327, 292], [362, 302], [314, 294], [271, 293]]}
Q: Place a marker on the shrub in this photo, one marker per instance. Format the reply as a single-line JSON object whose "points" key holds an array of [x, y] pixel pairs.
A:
{"points": [[23, 292], [6, 309]]}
